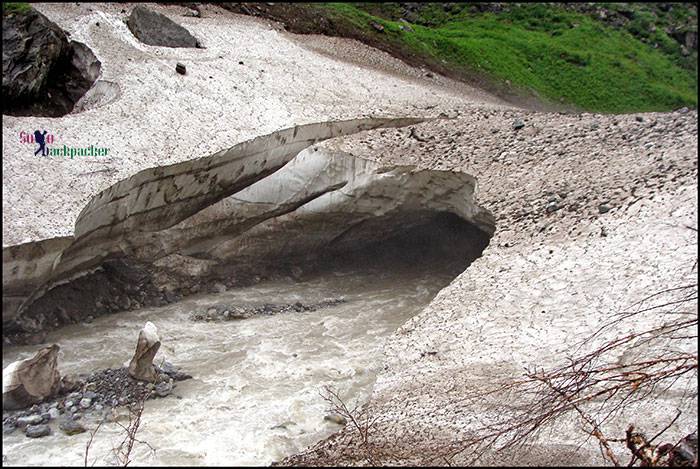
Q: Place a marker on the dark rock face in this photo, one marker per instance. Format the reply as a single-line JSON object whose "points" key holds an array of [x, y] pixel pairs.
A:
{"points": [[158, 30], [43, 73], [32, 46]]}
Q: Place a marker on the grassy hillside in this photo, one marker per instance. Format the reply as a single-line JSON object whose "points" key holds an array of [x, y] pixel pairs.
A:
{"points": [[556, 54]]}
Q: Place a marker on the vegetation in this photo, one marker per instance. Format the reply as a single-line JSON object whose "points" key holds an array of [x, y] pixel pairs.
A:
{"points": [[15, 7], [547, 51]]}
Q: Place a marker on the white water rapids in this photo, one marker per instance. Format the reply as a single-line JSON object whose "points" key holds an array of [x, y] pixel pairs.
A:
{"points": [[248, 375]]}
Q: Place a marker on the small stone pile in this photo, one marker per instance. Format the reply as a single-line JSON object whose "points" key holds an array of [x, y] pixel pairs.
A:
{"points": [[227, 312], [71, 398]]}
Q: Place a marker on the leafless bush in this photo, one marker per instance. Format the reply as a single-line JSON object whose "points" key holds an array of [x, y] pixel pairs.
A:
{"points": [[360, 418], [600, 384], [122, 452]]}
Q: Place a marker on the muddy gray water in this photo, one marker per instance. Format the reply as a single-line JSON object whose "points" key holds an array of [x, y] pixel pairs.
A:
{"points": [[249, 375]]}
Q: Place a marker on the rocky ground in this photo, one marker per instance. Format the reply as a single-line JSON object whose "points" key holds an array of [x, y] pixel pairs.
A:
{"points": [[95, 397], [230, 312]]}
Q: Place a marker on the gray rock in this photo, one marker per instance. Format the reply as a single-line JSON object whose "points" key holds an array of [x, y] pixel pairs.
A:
{"points": [[54, 413], [377, 26], [29, 420], [163, 389], [31, 380], [175, 373], [604, 208], [71, 427], [44, 74], [335, 418], [158, 30], [31, 47], [180, 68], [518, 124], [85, 403], [90, 395], [552, 207], [639, 118], [141, 365], [37, 431]]}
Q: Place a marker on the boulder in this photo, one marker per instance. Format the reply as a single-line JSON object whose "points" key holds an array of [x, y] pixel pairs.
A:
{"points": [[32, 380], [71, 427], [25, 421], [31, 47], [141, 365], [155, 29], [44, 74], [37, 431]]}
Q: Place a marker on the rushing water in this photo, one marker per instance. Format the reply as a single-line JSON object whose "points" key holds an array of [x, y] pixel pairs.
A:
{"points": [[249, 375]]}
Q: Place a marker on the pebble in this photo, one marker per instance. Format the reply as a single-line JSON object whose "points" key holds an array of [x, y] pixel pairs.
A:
{"points": [[85, 403], [54, 413], [180, 68], [552, 207]]}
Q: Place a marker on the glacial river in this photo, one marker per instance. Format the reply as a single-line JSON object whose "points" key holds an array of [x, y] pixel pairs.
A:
{"points": [[254, 397]]}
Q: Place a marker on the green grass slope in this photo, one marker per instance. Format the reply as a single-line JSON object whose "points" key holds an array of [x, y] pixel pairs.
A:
{"points": [[552, 53]]}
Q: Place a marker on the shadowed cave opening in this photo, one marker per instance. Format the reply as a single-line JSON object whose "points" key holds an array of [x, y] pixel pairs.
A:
{"points": [[411, 245]]}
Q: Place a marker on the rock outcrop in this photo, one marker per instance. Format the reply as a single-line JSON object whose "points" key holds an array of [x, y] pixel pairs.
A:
{"points": [[141, 365], [43, 73], [32, 47], [156, 29], [32, 380]]}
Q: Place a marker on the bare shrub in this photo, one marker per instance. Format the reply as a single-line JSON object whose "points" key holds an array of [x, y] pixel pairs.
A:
{"points": [[599, 385], [122, 452], [360, 418]]}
